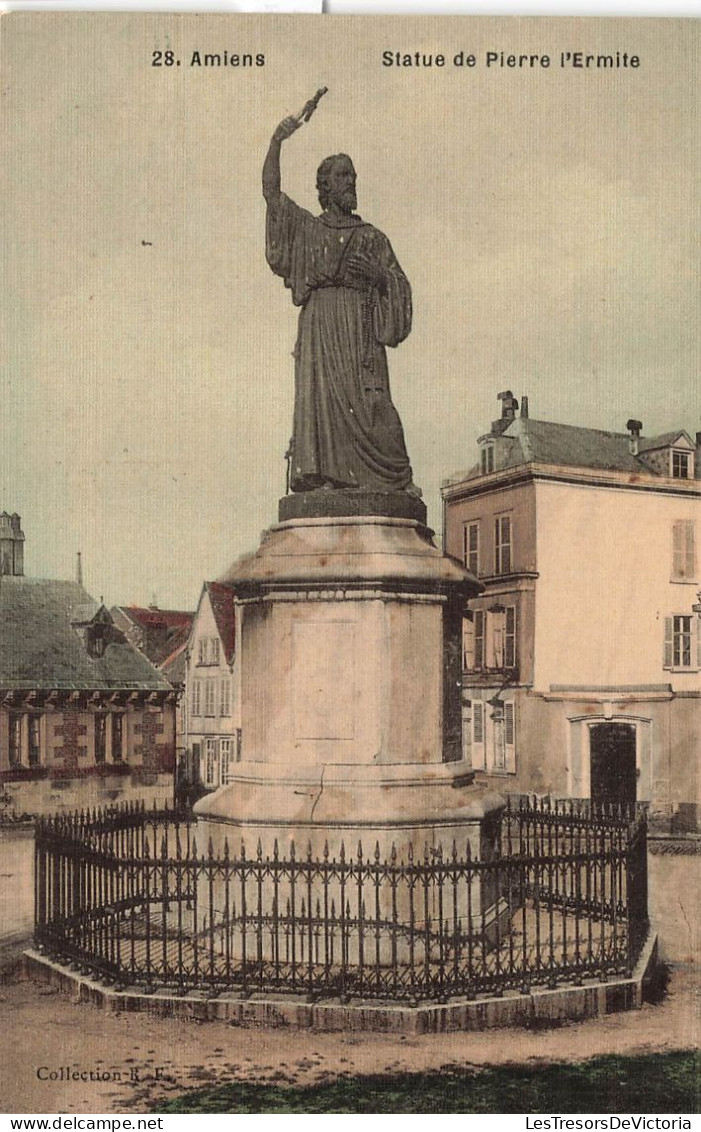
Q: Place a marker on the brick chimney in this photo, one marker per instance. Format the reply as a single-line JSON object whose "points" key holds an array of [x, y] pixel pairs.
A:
{"points": [[509, 405], [634, 428], [11, 545]]}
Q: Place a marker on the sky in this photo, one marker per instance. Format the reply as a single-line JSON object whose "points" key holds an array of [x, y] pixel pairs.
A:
{"points": [[546, 219]]}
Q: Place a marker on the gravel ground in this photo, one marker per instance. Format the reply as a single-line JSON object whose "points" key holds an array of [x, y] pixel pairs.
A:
{"points": [[147, 1058], [155, 1058]]}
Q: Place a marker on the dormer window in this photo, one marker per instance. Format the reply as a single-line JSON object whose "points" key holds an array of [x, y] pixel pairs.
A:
{"points": [[96, 629], [487, 459], [97, 638], [680, 464]]}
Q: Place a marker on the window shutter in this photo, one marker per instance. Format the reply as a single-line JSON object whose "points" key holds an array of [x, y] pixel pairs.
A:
{"points": [[668, 642], [683, 549], [468, 644], [690, 552], [678, 550], [478, 723], [509, 729], [478, 625]]}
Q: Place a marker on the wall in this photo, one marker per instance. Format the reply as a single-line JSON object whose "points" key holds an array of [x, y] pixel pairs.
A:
{"points": [[552, 751], [67, 776], [519, 499], [604, 589], [51, 796]]}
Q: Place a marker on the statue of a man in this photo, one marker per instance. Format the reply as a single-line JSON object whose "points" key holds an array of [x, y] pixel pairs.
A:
{"points": [[355, 300]]}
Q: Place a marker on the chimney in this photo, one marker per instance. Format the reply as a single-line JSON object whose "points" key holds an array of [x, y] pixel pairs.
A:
{"points": [[79, 569], [11, 545], [524, 408], [634, 428], [509, 405]]}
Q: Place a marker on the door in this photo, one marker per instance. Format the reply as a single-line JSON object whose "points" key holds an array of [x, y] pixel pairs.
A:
{"points": [[612, 766]]}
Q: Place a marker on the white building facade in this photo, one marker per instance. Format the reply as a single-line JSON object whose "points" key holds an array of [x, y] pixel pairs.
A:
{"points": [[582, 660], [213, 728]]}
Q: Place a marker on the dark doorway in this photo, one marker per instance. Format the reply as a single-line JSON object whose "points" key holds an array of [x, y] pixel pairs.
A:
{"points": [[613, 776]]}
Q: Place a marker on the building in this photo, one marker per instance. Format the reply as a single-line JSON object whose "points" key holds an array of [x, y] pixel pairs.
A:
{"points": [[213, 728], [582, 658], [85, 719], [162, 635]]}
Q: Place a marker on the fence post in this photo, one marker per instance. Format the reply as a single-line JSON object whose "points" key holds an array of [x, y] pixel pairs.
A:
{"points": [[636, 890]]}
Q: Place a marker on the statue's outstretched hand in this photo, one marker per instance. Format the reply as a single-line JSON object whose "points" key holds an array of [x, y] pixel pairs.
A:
{"points": [[287, 128]]}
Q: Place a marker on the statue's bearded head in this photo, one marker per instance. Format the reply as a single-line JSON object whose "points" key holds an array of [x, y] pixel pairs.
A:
{"points": [[335, 183]]}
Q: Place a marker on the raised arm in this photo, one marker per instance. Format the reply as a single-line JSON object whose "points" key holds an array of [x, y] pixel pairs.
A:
{"points": [[271, 166]]}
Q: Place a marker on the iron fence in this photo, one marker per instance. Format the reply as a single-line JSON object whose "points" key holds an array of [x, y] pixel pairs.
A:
{"points": [[128, 895]]}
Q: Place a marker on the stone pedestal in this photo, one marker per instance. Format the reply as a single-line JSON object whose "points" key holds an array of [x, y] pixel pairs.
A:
{"points": [[349, 638]]}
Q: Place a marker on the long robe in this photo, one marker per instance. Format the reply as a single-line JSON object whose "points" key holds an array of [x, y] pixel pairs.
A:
{"points": [[346, 431]]}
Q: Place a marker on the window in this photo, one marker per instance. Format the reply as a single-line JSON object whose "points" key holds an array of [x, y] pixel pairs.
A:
{"points": [[117, 736], [34, 749], [478, 661], [471, 547], [210, 747], [681, 464], [225, 751], [473, 641], [210, 694], [197, 697], [498, 747], [510, 637], [487, 459], [100, 737], [678, 641], [15, 746], [225, 696], [683, 551], [504, 737], [502, 544], [208, 650]]}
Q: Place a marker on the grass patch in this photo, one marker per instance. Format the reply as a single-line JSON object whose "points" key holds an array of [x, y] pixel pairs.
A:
{"points": [[655, 1083]]}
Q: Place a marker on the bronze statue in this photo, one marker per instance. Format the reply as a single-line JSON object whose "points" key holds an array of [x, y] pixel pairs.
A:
{"points": [[355, 300]]}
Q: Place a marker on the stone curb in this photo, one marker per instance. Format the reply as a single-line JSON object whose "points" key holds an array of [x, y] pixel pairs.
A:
{"points": [[539, 1007]]}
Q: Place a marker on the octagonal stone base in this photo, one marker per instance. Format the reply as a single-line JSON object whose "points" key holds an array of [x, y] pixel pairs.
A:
{"points": [[349, 642]]}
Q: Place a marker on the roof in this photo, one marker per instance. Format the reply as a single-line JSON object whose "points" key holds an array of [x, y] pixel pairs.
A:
{"points": [[151, 616], [166, 629], [543, 442], [528, 441], [40, 647], [174, 667], [663, 441], [222, 601]]}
